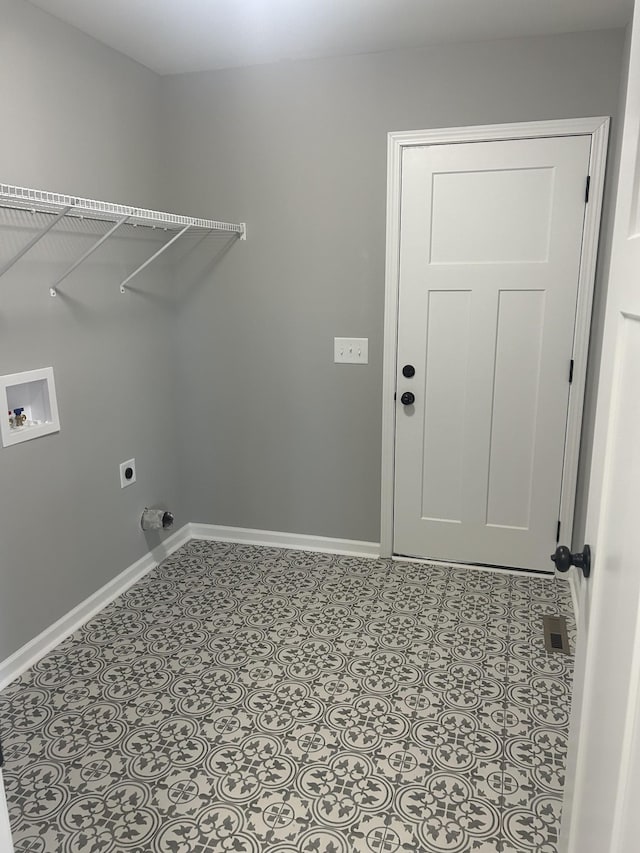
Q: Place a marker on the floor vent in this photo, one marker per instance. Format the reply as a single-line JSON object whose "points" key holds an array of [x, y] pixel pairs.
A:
{"points": [[555, 634]]}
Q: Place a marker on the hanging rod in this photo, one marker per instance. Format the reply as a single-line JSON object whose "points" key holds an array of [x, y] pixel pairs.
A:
{"points": [[61, 206]]}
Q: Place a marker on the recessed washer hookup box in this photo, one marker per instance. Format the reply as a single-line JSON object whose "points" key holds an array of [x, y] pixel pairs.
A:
{"points": [[30, 407]]}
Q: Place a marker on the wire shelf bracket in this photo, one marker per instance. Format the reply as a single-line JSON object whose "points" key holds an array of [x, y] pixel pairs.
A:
{"points": [[52, 290], [60, 206], [152, 258], [33, 241]]}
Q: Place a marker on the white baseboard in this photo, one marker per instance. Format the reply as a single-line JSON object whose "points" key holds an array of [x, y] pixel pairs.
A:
{"points": [[31, 652], [295, 541]]}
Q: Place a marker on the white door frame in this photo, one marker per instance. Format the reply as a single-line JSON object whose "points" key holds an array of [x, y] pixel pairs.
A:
{"points": [[598, 129], [6, 844]]}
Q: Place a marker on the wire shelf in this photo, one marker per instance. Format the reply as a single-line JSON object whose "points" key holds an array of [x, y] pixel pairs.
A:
{"points": [[61, 206], [41, 201]]}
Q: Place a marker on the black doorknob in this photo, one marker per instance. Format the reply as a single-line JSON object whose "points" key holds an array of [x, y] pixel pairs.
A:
{"points": [[408, 399], [408, 371], [564, 559]]}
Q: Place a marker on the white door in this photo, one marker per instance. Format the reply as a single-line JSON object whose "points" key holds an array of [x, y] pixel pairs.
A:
{"points": [[601, 813], [490, 246]]}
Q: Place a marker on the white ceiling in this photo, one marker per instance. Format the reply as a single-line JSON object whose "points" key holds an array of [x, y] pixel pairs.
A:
{"points": [[175, 36]]}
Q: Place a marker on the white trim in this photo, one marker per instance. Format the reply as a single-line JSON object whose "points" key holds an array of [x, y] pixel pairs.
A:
{"points": [[6, 844], [31, 652], [586, 285], [391, 294], [295, 541], [492, 132], [598, 128], [574, 587]]}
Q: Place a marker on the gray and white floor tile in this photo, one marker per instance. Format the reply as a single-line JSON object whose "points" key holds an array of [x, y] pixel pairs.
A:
{"points": [[260, 700]]}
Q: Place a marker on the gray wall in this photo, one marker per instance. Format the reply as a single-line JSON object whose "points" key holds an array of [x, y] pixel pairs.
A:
{"points": [[79, 118], [230, 402], [279, 437]]}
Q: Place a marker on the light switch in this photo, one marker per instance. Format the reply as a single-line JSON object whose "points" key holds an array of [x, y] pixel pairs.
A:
{"points": [[351, 350]]}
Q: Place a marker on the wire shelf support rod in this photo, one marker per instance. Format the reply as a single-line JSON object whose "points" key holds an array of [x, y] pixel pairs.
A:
{"points": [[152, 258], [53, 290], [33, 241]]}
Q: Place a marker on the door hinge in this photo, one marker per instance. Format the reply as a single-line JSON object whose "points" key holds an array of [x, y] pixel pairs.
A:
{"points": [[570, 371], [558, 532], [586, 192]]}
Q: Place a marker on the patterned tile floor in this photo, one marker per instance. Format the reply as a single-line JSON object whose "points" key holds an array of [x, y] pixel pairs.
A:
{"points": [[254, 699]]}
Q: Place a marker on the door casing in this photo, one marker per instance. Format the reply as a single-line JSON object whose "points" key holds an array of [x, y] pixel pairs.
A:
{"points": [[598, 129]]}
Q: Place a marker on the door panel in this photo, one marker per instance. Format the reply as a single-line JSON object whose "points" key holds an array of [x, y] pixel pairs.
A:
{"points": [[479, 217], [448, 319], [490, 244], [515, 402]]}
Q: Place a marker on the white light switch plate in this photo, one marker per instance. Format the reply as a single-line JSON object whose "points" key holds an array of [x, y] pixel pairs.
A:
{"points": [[351, 350]]}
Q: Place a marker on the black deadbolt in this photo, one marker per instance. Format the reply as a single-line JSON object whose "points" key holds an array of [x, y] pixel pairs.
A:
{"points": [[128, 473], [408, 371], [564, 559], [408, 399]]}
